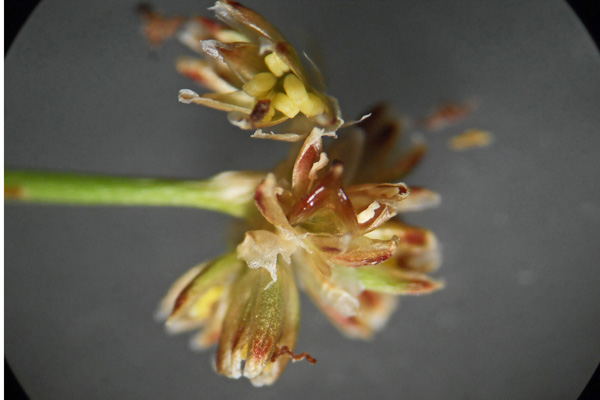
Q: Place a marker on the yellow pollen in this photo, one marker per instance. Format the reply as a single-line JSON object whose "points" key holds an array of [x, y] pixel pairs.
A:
{"points": [[286, 105], [295, 89], [203, 306], [313, 106], [271, 95], [260, 84], [276, 65], [269, 115]]}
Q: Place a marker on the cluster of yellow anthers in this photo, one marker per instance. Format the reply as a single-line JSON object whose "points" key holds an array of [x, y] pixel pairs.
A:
{"points": [[254, 73], [325, 219]]}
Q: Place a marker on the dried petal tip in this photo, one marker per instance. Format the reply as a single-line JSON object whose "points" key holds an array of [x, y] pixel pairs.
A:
{"points": [[158, 28], [284, 350], [447, 114]]}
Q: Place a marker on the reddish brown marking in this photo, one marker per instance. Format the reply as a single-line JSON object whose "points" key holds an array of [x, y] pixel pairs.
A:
{"points": [[359, 262], [304, 165], [225, 51], [328, 193], [351, 321], [447, 114], [339, 318], [261, 348], [402, 190], [282, 48], [259, 198], [181, 300], [184, 295], [419, 286], [14, 192], [235, 4], [209, 24], [379, 259], [369, 299], [260, 110], [307, 205], [157, 27], [329, 249], [374, 257], [369, 223], [213, 337], [194, 75], [415, 237], [402, 261], [284, 350]]}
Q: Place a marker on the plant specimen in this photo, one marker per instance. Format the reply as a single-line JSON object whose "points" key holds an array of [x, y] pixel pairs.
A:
{"points": [[326, 220]]}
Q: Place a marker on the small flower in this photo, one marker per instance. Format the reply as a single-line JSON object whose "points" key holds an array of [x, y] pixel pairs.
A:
{"points": [[252, 321], [340, 241], [261, 319], [254, 73]]}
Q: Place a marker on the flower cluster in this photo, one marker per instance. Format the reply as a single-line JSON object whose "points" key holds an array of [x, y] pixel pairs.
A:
{"points": [[325, 220], [253, 72]]}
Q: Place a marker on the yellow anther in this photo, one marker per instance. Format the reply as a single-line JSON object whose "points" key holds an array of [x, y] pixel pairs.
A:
{"points": [[271, 95], [260, 84], [204, 306], [269, 115], [271, 111], [277, 66], [286, 105], [313, 106], [295, 89]]}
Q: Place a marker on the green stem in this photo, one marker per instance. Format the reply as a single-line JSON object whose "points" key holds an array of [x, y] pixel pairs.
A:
{"points": [[230, 192]]}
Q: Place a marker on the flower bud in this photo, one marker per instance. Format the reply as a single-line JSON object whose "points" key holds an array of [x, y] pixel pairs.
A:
{"points": [[263, 316]]}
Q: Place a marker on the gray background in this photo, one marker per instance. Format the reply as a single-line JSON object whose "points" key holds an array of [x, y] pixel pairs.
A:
{"points": [[519, 223]]}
